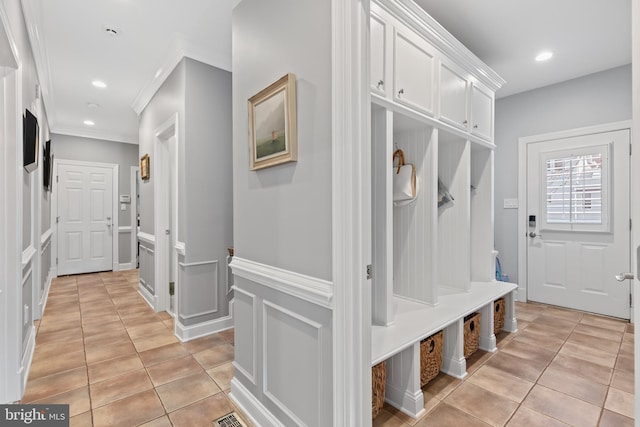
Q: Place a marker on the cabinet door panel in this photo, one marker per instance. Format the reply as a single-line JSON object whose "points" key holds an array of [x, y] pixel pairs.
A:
{"points": [[453, 97], [481, 113], [378, 54], [413, 74]]}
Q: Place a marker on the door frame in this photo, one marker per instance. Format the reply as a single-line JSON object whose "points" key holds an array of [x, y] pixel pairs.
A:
{"points": [[163, 250], [11, 223], [133, 176], [523, 143], [115, 264], [351, 211]]}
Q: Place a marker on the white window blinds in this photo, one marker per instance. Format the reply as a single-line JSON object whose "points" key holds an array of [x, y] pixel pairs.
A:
{"points": [[574, 189]]}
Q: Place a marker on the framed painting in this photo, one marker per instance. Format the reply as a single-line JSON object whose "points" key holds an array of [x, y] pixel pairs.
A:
{"points": [[272, 124], [145, 174]]}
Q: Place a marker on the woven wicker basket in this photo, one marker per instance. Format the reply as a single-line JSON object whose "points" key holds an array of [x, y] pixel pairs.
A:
{"points": [[471, 334], [498, 315], [378, 380], [430, 357]]}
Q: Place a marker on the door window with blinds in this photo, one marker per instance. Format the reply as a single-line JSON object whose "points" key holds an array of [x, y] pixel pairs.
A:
{"points": [[576, 189]]}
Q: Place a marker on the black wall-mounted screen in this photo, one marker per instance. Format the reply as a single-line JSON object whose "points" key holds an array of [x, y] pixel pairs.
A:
{"points": [[46, 165], [30, 142]]}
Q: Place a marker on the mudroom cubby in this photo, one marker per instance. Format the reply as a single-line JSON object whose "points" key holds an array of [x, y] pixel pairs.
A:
{"points": [[432, 265]]}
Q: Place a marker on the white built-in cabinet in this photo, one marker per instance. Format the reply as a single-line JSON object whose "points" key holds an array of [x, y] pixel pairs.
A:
{"points": [[432, 266], [482, 101], [454, 95]]}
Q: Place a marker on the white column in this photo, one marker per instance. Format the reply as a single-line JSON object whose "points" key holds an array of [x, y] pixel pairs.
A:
{"points": [[453, 361], [403, 389]]}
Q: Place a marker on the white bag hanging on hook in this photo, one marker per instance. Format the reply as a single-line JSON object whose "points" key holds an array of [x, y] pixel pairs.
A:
{"points": [[404, 180]]}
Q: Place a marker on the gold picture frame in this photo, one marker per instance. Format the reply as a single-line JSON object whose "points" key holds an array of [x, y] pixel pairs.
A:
{"points": [[272, 124], [145, 173]]}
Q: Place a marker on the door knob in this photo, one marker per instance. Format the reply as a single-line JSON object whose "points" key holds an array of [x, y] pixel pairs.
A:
{"points": [[532, 234], [621, 277]]}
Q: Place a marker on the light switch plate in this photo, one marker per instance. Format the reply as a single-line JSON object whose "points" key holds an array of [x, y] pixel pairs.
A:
{"points": [[511, 203]]}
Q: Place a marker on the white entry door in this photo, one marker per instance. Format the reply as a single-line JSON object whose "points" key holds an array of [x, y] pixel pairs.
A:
{"points": [[578, 231], [85, 223]]}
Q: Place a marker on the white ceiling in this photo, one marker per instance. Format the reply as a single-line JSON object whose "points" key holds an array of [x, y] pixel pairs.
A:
{"points": [[72, 48], [586, 36]]}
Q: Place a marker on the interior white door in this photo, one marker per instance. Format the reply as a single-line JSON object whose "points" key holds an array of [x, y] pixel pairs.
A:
{"points": [[579, 222], [85, 223]]}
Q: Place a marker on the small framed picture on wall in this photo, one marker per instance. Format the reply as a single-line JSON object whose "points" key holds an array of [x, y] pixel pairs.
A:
{"points": [[272, 124], [145, 174]]}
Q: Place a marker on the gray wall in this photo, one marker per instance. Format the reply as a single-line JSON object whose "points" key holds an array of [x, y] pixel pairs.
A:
{"points": [[167, 101], [69, 147], [29, 236], [591, 100], [283, 213], [208, 190], [201, 95]]}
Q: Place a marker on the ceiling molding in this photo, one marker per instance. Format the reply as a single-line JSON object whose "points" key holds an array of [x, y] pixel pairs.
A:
{"points": [[94, 134], [414, 17], [183, 49], [41, 59], [12, 59]]}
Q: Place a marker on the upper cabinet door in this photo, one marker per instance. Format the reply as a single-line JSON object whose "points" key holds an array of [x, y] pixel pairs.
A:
{"points": [[481, 112], [453, 96], [413, 73], [378, 55]]}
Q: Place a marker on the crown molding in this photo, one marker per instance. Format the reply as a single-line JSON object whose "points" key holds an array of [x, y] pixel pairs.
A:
{"points": [[183, 49], [94, 134], [7, 41], [414, 17], [41, 59]]}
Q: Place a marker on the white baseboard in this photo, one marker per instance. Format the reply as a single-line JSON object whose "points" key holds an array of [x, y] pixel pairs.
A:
{"points": [[455, 368], [488, 343], [412, 405], [188, 333], [146, 295], [522, 294], [125, 266], [252, 407], [27, 358]]}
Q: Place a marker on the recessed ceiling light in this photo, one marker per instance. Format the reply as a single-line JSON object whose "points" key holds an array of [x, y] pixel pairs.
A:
{"points": [[92, 105], [544, 56], [89, 122], [99, 84]]}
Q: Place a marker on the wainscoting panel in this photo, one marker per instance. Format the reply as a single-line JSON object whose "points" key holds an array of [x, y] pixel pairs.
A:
{"points": [[146, 260], [289, 346], [245, 318], [45, 266], [198, 292], [27, 298]]}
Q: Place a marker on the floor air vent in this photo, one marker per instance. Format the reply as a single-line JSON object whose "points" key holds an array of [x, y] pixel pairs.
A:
{"points": [[229, 420]]}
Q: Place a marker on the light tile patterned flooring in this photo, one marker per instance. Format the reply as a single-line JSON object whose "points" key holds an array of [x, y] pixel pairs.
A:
{"points": [[561, 368], [101, 349]]}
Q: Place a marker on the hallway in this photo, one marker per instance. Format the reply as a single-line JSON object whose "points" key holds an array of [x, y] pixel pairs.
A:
{"points": [[101, 349]]}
